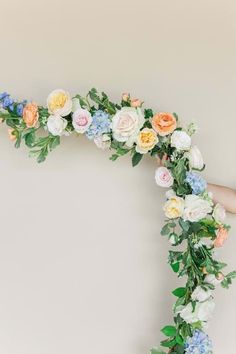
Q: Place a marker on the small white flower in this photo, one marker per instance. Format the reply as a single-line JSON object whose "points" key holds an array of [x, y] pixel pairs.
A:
{"points": [[103, 141], [195, 158], [203, 311], [56, 125], [200, 294], [163, 177], [219, 213], [180, 140], [211, 279], [196, 208], [170, 193]]}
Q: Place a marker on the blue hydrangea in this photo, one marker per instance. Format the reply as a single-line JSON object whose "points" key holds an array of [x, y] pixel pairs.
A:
{"points": [[196, 182], [3, 95], [101, 124], [7, 102], [19, 109], [199, 343]]}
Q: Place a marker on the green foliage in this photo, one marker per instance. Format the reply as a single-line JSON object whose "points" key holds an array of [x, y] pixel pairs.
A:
{"points": [[136, 158], [169, 331], [179, 292]]}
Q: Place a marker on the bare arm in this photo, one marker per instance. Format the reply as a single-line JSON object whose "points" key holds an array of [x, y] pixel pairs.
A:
{"points": [[224, 196]]}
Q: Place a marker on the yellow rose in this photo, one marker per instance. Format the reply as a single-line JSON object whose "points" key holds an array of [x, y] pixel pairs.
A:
{"points": [[174, 207], [146, 140], [59, 103]]}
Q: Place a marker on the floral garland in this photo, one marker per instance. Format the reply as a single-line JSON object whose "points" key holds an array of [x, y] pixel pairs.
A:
{"points": [[191, 216]]}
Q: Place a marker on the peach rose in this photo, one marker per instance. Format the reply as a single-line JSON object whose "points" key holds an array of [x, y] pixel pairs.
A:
{"points": [[12, 136], [221, 237], [164, 123], [31, 115], [135, 102]]}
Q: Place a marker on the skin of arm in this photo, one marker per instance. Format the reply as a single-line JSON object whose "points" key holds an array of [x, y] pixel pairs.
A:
{"points": [[224, 196]]}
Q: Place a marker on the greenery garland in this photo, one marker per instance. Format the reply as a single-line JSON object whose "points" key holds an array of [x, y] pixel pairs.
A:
{"points": [[192, 218]]}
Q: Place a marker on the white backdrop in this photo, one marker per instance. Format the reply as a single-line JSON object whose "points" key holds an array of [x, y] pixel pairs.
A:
{"points": [[82, 265]]}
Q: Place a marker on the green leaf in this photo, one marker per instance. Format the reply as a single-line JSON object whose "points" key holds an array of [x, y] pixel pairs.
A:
{"points": [[179, 340], [54, 142], [30, 139], [175, 266], [184, 224], [231, 275], [156, 351], [136, 158], [114, 157], [169, 331], [165, 230], [179, 292], [168, 343]]}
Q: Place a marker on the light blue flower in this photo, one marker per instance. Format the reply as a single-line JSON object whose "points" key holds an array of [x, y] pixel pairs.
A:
{"points": [[196, 182], [199, 343], [101, 124], [3, 95], [19, 109], [7, 102]]}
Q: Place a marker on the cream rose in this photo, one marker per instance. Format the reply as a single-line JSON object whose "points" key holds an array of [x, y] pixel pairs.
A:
{"points": [[200, 294], [59, 103], [126, 124], [219, 213], [202, 312], [56, 125], [103, 141], [174, 207], [146, 140], [180, 140], [163, 177], [81, 120], [195, 158], [196, 208]]}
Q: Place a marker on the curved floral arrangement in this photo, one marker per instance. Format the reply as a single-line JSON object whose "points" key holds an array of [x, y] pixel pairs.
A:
{"points": [[192, 219]]}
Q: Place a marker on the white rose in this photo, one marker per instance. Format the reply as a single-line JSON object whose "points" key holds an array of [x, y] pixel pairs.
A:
{"points": [[196, 208], [211, 279], [195, 158], [219, 213], [200, 294], [203, 311], [163, 177], [126, 124], [56, 125], [59, 103], [170, 193], [103, 141], [81, 120], [180, 140]]}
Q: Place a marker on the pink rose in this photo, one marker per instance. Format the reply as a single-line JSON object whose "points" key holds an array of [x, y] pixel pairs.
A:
{"points": [[163, 177], [81, 120], [221, 237], [135, 102]]}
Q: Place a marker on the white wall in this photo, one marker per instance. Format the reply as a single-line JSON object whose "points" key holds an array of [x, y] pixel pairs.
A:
{"points": [[82, 265]]}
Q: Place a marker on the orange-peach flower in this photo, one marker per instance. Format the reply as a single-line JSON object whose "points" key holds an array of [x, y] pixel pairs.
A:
{"points": [[12, 136], [164, 123], [136, 102], [31, 115], [221, 237]]}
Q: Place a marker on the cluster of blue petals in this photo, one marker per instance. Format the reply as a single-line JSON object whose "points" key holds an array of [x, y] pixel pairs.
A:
{"points": [[101, 124], [196, 182], [199, 343], [9, 104]]}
